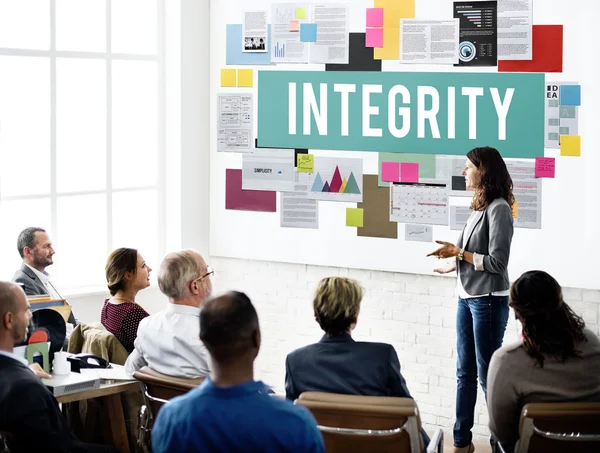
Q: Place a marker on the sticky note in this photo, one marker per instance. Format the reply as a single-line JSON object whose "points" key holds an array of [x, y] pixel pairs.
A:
{"points": [[544, 167], [570, 145], [390, 171], [374, 37], [245, 77], [374, 17], [390, 49], [570, 95], [294, 25], [354, 217], [305, 163], [228, 77], [409, 172], [515, 209], [308, 32], [300, 13]]}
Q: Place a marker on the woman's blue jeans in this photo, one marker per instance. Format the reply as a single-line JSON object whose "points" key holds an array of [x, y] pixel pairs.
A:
{"points": [[480, 326]]}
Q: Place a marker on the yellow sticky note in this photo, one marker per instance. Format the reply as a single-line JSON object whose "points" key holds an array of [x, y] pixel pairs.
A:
{"points": [[515, 209], [393, 11], [228, 77], [570, 145], [300, 13], [306, 163], [354, 217], [245, 77]]}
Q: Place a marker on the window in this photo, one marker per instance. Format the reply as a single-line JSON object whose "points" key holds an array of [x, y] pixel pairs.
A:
{"points": [[82, 136]]}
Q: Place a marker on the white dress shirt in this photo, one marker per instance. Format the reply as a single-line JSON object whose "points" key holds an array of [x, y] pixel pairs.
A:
{"points": [[14, 356], [169, 342], [45, 279]]}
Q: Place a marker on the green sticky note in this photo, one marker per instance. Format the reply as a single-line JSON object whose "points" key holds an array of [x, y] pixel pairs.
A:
{"points": [[354, 217], [300, 13], [306, 163]]}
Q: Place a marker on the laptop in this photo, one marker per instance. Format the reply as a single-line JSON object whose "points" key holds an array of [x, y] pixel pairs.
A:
{"points": [[71, 383]]}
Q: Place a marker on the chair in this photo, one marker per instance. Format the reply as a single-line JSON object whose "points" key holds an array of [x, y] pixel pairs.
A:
{"points": [[157, 389], [559, 427], [356, 424]]}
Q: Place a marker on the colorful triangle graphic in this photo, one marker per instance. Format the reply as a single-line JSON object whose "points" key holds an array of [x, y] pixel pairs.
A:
{"points": [[352, 186], [318, 184], [336, 181], [344, 183], [326, 187]]}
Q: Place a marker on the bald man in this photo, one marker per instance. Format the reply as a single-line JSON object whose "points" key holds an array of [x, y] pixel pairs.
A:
{"points": [[28, 411], [202, 419]]}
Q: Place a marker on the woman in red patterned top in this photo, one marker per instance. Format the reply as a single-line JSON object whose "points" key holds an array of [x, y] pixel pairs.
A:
{"points": [[126, 274]]}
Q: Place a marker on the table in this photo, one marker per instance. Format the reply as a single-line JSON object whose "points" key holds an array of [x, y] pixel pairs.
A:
{"points": [[110, 392]]}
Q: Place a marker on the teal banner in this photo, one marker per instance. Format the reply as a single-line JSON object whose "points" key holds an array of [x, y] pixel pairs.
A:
{"points": [[402, 112]]}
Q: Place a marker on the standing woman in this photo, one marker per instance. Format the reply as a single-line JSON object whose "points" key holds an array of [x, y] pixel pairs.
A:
{"points": [[482, 254], [126, 274]]}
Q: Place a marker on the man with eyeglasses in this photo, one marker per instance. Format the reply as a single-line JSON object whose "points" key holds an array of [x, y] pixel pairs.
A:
{"points": [[169, 341]]}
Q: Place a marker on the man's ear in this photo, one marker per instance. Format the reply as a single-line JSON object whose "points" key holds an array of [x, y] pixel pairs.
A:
{"points": [[256, 339], [8, 320]]}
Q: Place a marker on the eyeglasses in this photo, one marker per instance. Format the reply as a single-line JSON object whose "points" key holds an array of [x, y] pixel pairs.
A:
{"points": [[209, 271]]}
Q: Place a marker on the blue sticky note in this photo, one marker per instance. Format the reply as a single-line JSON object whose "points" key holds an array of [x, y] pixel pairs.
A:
{"points": [[234, 54], [308, 32], [570, 95]]}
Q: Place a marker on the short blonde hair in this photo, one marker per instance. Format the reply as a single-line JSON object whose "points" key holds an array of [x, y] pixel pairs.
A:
{"points": [[337, 304], [176, 272]]}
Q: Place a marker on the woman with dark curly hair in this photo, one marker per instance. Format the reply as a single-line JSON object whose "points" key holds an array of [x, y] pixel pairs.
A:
{"points": [[557, 359], [481, 261]]}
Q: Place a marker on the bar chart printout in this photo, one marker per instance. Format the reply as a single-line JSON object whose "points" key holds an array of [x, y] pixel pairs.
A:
{"points": [[478, 38]]}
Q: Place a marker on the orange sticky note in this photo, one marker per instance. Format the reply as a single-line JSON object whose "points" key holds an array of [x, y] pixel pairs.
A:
{"points": [[570, 145], [515, 209], [294, 25], [394, 10]]}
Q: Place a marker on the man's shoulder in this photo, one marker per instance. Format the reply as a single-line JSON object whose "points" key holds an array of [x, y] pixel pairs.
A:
{"points": [[294, 415]]}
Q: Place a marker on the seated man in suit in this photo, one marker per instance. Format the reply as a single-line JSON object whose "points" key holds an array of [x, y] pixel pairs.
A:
{"points": [[35, 248], [169, 341], [337, 363], [231, 412], [28, 411]]}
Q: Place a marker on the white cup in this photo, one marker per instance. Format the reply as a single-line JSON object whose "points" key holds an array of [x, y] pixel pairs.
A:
{"points": [[61, 365]]}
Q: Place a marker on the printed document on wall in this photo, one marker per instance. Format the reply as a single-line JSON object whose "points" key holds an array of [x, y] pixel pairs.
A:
{"points": [[429, 41], [419, 203], [459, 216], [236, 118], [269, 169], [298, 211], [336, 179], [527, 190], [286, 46], [449, 169], [333, 34], [559, 119], [515, 22], [254, 31]]}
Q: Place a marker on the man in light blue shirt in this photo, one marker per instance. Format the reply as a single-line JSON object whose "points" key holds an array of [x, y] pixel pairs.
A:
{"points": [[231, 412]]}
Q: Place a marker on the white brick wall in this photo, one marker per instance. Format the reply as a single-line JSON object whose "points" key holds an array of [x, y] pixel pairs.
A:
{"points": [[415, 313]]}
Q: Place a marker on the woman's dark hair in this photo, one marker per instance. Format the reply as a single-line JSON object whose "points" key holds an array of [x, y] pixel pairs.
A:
{"points": [[120, 262], [550, 327], [494, 179]]}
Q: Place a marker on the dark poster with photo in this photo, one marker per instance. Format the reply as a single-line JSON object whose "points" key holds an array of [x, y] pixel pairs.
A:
{"points": [[478, 41]]}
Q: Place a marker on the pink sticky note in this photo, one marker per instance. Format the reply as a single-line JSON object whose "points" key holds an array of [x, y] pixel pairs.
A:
{"points": [[544, 167], [374, 17], [374, 37], [294, 25], [390, 171], [409, 172]]}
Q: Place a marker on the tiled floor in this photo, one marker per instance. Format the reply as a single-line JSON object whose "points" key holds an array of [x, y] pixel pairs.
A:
{"points": [[480, 447]]}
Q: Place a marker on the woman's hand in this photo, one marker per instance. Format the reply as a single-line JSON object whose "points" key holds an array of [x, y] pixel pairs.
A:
{"points": [[447, 250], [446, 269]]}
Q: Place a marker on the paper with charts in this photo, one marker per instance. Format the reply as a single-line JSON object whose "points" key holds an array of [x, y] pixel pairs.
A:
{"points": [[336, 179], [419, 203]]}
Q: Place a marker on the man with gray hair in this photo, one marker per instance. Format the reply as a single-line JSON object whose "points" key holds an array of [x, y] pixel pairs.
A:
{"points": [[169, 341]]}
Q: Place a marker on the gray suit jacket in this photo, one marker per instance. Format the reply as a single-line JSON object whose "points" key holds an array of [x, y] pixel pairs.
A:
{"points": [[32, 286], [491, 236]]}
